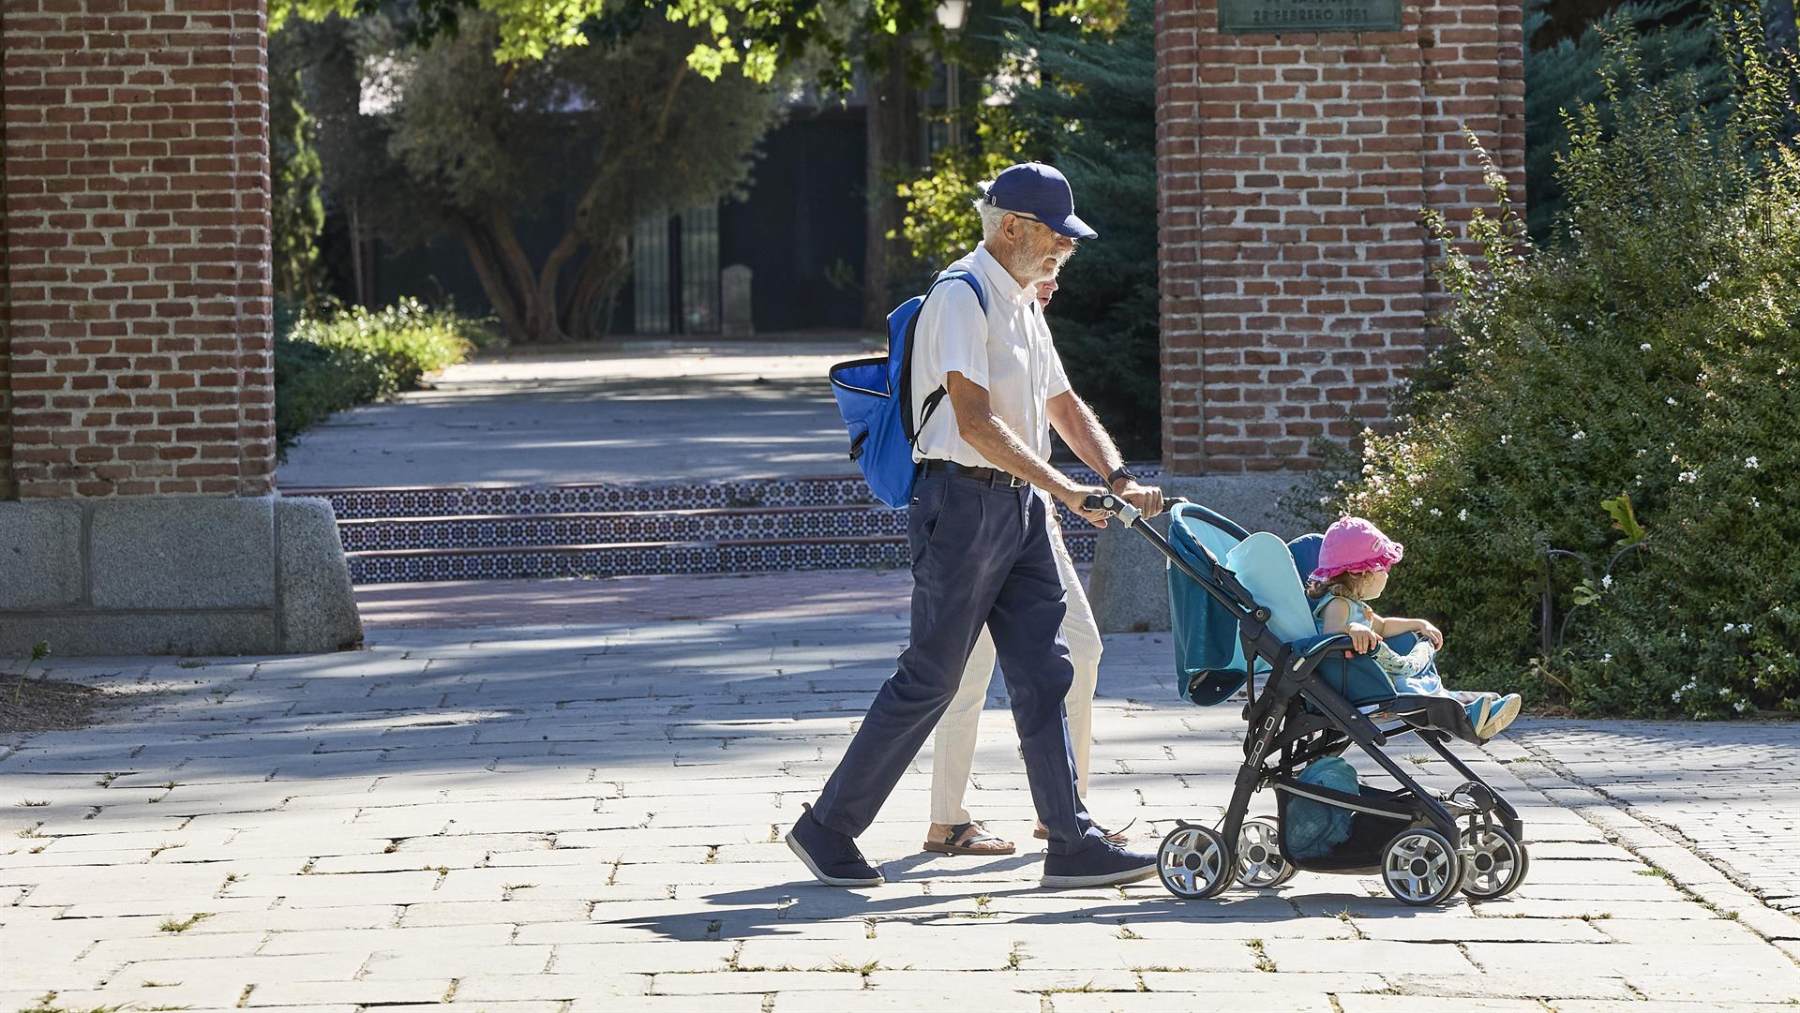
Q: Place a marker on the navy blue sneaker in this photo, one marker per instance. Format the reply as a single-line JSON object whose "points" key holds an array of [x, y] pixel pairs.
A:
{"points": [[832, 857], [1101, 864]]}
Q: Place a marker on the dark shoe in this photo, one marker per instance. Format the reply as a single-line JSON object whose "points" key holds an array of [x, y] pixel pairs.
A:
{"points": [[1101, 864], [832, 857]]}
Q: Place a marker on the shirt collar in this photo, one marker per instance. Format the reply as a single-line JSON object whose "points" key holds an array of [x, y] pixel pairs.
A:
{"points": [[1000, 280]]}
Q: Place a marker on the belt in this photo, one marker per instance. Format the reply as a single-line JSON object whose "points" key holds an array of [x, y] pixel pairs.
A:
{"points": [[991, 476]]}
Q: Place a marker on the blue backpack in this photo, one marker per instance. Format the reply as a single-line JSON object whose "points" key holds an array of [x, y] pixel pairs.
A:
{"points": [[874, 396]]}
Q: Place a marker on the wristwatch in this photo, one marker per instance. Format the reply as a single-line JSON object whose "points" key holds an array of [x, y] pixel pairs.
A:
{"points": [[1118, 473]]}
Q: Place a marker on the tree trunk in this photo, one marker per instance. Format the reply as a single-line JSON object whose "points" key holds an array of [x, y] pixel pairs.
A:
{"points": [[588, 313], [493, 280], [888, 129], [523, 298], [537, 302]]}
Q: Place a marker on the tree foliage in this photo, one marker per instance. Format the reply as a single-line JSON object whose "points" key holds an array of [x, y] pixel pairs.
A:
{"points": [[1084, 101], [758, 36], [297, 177], [437, 138]]}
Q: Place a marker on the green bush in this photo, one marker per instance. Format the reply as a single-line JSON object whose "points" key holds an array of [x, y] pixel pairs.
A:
{"points": [[350, 357], [1627, 395]]}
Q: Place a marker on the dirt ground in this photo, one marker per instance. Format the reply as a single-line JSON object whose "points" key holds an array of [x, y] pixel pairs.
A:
{"points": [[44, 705]]}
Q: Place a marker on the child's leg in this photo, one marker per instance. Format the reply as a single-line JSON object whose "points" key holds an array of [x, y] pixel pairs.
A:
{"points": [[1410, 666], [1411, 662], [1490, 713]]}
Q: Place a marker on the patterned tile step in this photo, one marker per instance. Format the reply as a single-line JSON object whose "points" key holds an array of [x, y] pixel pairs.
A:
{"points": [[525, 530], [461, 501], [750, 556], [458, 501]]}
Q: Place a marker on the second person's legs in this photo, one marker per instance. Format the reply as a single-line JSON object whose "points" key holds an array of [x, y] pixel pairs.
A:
{"points": [[953, 744], [1083, 636]]}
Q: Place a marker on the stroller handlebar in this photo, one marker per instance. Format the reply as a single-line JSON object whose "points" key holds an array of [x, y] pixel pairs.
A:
{"points": [[1119, 508]]}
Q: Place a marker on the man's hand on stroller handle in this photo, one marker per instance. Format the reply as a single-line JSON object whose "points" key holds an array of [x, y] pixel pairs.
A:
{"points": [[1087, 502], [1108, 504], [1147, 498]]}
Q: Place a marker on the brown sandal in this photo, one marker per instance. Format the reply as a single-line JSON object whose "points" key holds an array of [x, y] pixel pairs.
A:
{"points": [[963, 838]]}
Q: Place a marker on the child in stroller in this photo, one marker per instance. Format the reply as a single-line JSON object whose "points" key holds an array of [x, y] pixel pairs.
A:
{"points": [[1354, 561], [1239, 610]]}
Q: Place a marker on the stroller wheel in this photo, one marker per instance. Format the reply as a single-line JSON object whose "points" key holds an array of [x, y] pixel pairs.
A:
{"points": [[1494, 863], [1194, 862], [1421, 867], [1259, 862]]}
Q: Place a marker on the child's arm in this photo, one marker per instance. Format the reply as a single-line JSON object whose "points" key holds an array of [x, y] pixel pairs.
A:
{"points": [[1334, 620], [1391, 626]]}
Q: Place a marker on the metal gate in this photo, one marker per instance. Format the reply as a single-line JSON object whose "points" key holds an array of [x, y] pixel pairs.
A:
{"points": [[675, 273]]}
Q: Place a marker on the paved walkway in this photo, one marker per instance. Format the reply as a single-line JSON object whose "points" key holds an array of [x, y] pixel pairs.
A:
{"points": [[633, 412], [586, 817], [1729, 791], [854, 595]]}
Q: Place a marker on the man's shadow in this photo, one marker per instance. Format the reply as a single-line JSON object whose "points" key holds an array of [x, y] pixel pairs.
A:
{"points": [[784, 909]]}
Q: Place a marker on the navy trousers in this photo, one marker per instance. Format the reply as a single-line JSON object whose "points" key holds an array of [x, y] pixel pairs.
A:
{"points": [[980, 555]]}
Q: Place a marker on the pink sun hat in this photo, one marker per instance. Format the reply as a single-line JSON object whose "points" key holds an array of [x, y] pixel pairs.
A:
{"points": [[1354, 545]]}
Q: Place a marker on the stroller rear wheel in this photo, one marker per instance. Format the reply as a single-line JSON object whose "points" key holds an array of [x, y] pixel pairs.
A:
{"points": [[1259, 862], [1494, 864], [1194, 862], [1421, 867]]}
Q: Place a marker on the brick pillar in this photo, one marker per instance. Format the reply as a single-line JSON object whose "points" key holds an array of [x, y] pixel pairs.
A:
{"points": [[136, 379], [137, 282], [1295, 268]]}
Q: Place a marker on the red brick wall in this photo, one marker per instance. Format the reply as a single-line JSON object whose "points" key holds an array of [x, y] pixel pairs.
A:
{"points": [[6, 477], [1295, 267], [137, 236]]}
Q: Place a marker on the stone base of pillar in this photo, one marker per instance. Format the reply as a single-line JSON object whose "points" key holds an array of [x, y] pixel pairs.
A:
{"points": [[1127, 585], [174, 575]]}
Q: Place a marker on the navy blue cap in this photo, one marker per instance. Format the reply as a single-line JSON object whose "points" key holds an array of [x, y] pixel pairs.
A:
{"points": [[1040, 191]]}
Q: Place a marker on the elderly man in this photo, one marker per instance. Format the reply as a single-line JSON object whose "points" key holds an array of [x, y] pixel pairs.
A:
{"points": [[953, 831], [981, 546]]}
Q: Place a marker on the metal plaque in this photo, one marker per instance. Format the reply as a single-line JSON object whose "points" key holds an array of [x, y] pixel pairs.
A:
{"points": [[1309, 15]]}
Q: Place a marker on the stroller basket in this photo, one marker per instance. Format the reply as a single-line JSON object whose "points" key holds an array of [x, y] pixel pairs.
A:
{"points": [[1375, 816]]}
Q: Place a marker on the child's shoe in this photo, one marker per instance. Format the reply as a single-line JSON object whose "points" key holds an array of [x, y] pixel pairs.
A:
{"points": [[1490, 713]]}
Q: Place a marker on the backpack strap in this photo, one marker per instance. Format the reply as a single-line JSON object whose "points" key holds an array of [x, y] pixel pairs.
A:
{"points": [[936, 397]]}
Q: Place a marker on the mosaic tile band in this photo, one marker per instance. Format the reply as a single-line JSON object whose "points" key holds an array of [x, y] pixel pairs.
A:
{"points": [[503, 532]]}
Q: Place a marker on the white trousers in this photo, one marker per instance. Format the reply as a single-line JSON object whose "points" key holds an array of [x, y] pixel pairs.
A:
{"points": [[953, 744]]}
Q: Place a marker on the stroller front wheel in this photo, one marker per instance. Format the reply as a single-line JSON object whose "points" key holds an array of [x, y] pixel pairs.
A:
{"points": [[1495, 864], [1421, 867], [1194, 862], [1260, 864]]}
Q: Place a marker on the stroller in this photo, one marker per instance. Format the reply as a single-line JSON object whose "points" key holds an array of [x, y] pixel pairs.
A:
{"points": [[1240, 611]]}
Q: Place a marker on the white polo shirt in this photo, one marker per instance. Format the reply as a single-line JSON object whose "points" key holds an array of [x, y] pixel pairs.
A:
{"points": [[1007, 350]]}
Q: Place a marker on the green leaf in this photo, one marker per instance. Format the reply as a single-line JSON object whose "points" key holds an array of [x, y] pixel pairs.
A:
{"points": [[1624, 518]]}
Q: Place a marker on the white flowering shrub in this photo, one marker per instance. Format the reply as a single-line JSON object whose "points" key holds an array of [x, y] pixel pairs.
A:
{"points": [[1630, 394]]}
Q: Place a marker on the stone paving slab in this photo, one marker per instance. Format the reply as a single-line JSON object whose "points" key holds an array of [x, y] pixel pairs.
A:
{"points": [[595, 824], [1728, 791]]}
